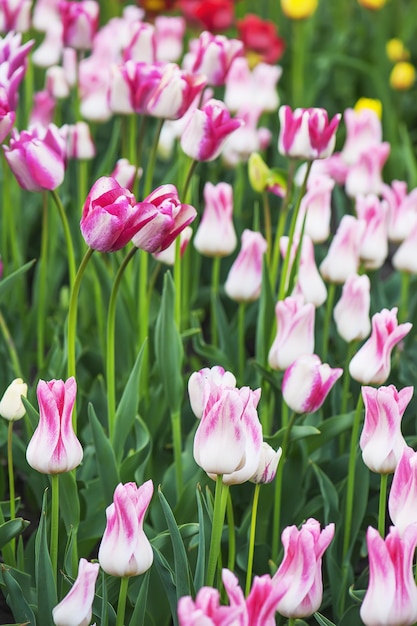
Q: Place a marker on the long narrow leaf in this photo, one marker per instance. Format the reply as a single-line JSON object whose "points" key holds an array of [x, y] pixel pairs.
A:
{"points": [[139, 613], [106, 461], [45, 581], [167, 578], [16, 599]]}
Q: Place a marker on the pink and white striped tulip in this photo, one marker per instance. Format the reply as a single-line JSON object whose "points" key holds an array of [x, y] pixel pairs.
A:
{"points": [[169, 35], [257, 87], [141, 47], [303, 552], [76, 608], [7, 116], [79, 142], [402, 499], [15, 16], [80, 22], [295, 332], [372, 364], [381, 441], [342, 258], [215, 235], [351, 312], [124, 549], [404, 258], [37, 158], [307, 383], [54, 447], [126, 173], [309, 283], [316, 203], [132, 85], [207, 610], [391, 597], [207, 131], [402, 209], [374, 243], [268, 464], [363, 131], [306, 133], [365, 176], [199, 391], [244, 280], [164, 218], [175, 93], [213, 56], [167, 255], [229, 436]]}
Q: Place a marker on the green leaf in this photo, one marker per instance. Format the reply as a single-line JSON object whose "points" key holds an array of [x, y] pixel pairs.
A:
{"points": [[11, 529], [32, 413], [139, 613], [266, 318], [329, 494], [168, 347], [16, 599], [211, 353], [323, 621], [45, 581], [167, 578], [127, 407], [331, 428], [106, 461], [200, 568], [7, 282], [132, 467], [69, 503], [181, 566], [297, 432]]}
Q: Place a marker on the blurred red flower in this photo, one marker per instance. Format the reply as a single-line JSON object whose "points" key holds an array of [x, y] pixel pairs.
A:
{"points": [[213, 15], [261, 37]]}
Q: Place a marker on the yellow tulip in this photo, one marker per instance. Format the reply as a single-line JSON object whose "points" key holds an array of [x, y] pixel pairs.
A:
{"points": [[403, 75], [396, 51], [369, 103], [374, 5], [298, 9]]}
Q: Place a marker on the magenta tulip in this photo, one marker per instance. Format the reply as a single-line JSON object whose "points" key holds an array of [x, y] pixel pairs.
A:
{"points": [[80, 22], [307, 133]]}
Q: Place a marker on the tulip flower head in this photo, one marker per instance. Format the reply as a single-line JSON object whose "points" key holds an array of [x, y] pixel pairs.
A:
{"points": [[299, 9], [342, 258], [199, 391], [381, 441], [260, 38], [402, 499], [371, 364], [374, 244], [403, 76], [391, 597], [80, 23], [124, 549], [307, 133], [268, 463], [303, 552], [295, 332], [243, 282], [54, 447], [215, 235], [214, 55], [307, 382], [76, 608], [309, 283], [351, 312], [402, 209], [11, 405]]}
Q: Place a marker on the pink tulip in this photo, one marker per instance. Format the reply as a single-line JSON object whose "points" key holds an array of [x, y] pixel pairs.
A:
{"points": [[79, 142], [351, 312], [268, 464], [306, 133], [342, 257], [363, 131], [141, 47], [309, 283], [295, 332], [214, 55], [93, 86], [243, 283], [207, 130], [374, 243], [316, 203], [381, 441], [124, 549], [402, 209], [76, 608], [54, 447], [13, 63], [37, 158], [199, 391], [167, 255], [169, 34], [43, 109], [110, 216], [303, 552], [7, 116], [165, 217], [404, 258], [126, 173], [207, 611], [56, 82], [257, 87], [402, 500], [371, 364], [391, 597], [175, 93], [215, 235], [247, 139], [365, 176], [307, 382], [132, 86], [80, 23], [15, 15], [229, 436]]}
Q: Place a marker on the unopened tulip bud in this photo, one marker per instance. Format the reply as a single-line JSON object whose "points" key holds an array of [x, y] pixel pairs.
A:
{"points": [[403, 76], [295, 332], [351, 312], [215, 235], [76, 608], [396, 51], [198, 391], [307, 133], [244, 280], [268, 463], [11, 405], [299, 9], [402, 499]]}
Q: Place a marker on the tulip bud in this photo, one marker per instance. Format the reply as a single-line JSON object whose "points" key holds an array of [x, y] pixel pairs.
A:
{"points": [[373, 5], [402, 499], [299, 9], [215, 235], [268, 463], [80, 22], [11, 405], [199, 392], [396, 51], [295, 332], [259, 172], [403, 76], [76, 608], [214, 56], [370, 104], [243, 283], [342, 257], [351, 313], [404, 258]]}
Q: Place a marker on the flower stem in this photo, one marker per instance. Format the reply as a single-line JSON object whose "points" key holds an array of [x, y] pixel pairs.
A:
{"points": [[54, 524], [283, 214], [215, 279], [241, 339], [328, 315], [152, 160], [216, 529], [110, 348], [404, 299], [249, 568], [187, 182], [121, 605], [232, 532], [345, 390], [176, 438], [68, 238], [41, 312], [10, 346], [382, 504], [178, 282], [351, 476], [11, 482], [267, 224], [298, 63]]}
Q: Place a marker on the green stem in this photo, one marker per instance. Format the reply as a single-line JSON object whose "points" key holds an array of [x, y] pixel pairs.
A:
{"points": [[298, 63], [54, 524], [177, 443], [382, 504], [178, 282], [351, 476], [345, 390], [404, 299], [43, 272], [252, 538], [68, 238], [291, 621], [11, 482], [110, 347], [189, 176], [10, 346], [327, 318], [143, 316], [241, 339], [121, 605], [215, 280], [152, 160], [267, 224], [216, 529], [232, 532]]}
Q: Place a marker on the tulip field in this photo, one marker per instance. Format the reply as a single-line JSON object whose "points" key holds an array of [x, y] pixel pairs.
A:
{"points": [[208, 313]]}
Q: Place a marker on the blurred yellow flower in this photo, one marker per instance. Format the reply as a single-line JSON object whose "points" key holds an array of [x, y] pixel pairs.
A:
{"points": [[403, 75], [369, 103], [396, 51], [298, 9], [374, 5]]}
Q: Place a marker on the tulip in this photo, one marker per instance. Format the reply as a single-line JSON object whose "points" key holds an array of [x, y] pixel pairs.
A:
{"points": [[169, 34], [374, 244], [11, 405], [402, 209], [7, 116], [110, 216], [80, 22], [207, 130], [260, 38], [244, 280], [15, 16], [199, 392], [363, 130], [132, 85], [371, 364], [342, 257], [37, 158], [365, 176], [164, 218], [391, 597], [303, 552], [141, 47], [404, 258], [396, 50], [79, 141], [54, 447], [206, 609], [295, 332], [402, 499], [309, 283], [167, 255], [76, 608], [268, 464], [43, 109], [351, 312], [229, 436], [316, 204], [307, 382], [256, 87], [307, 133], [126, 173], [215, 235], [175, 93], [381, 441], [299, 10], [214, 55], [56, 82], [213, 15], [124, 549], [403, 76], [374, 5]]}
